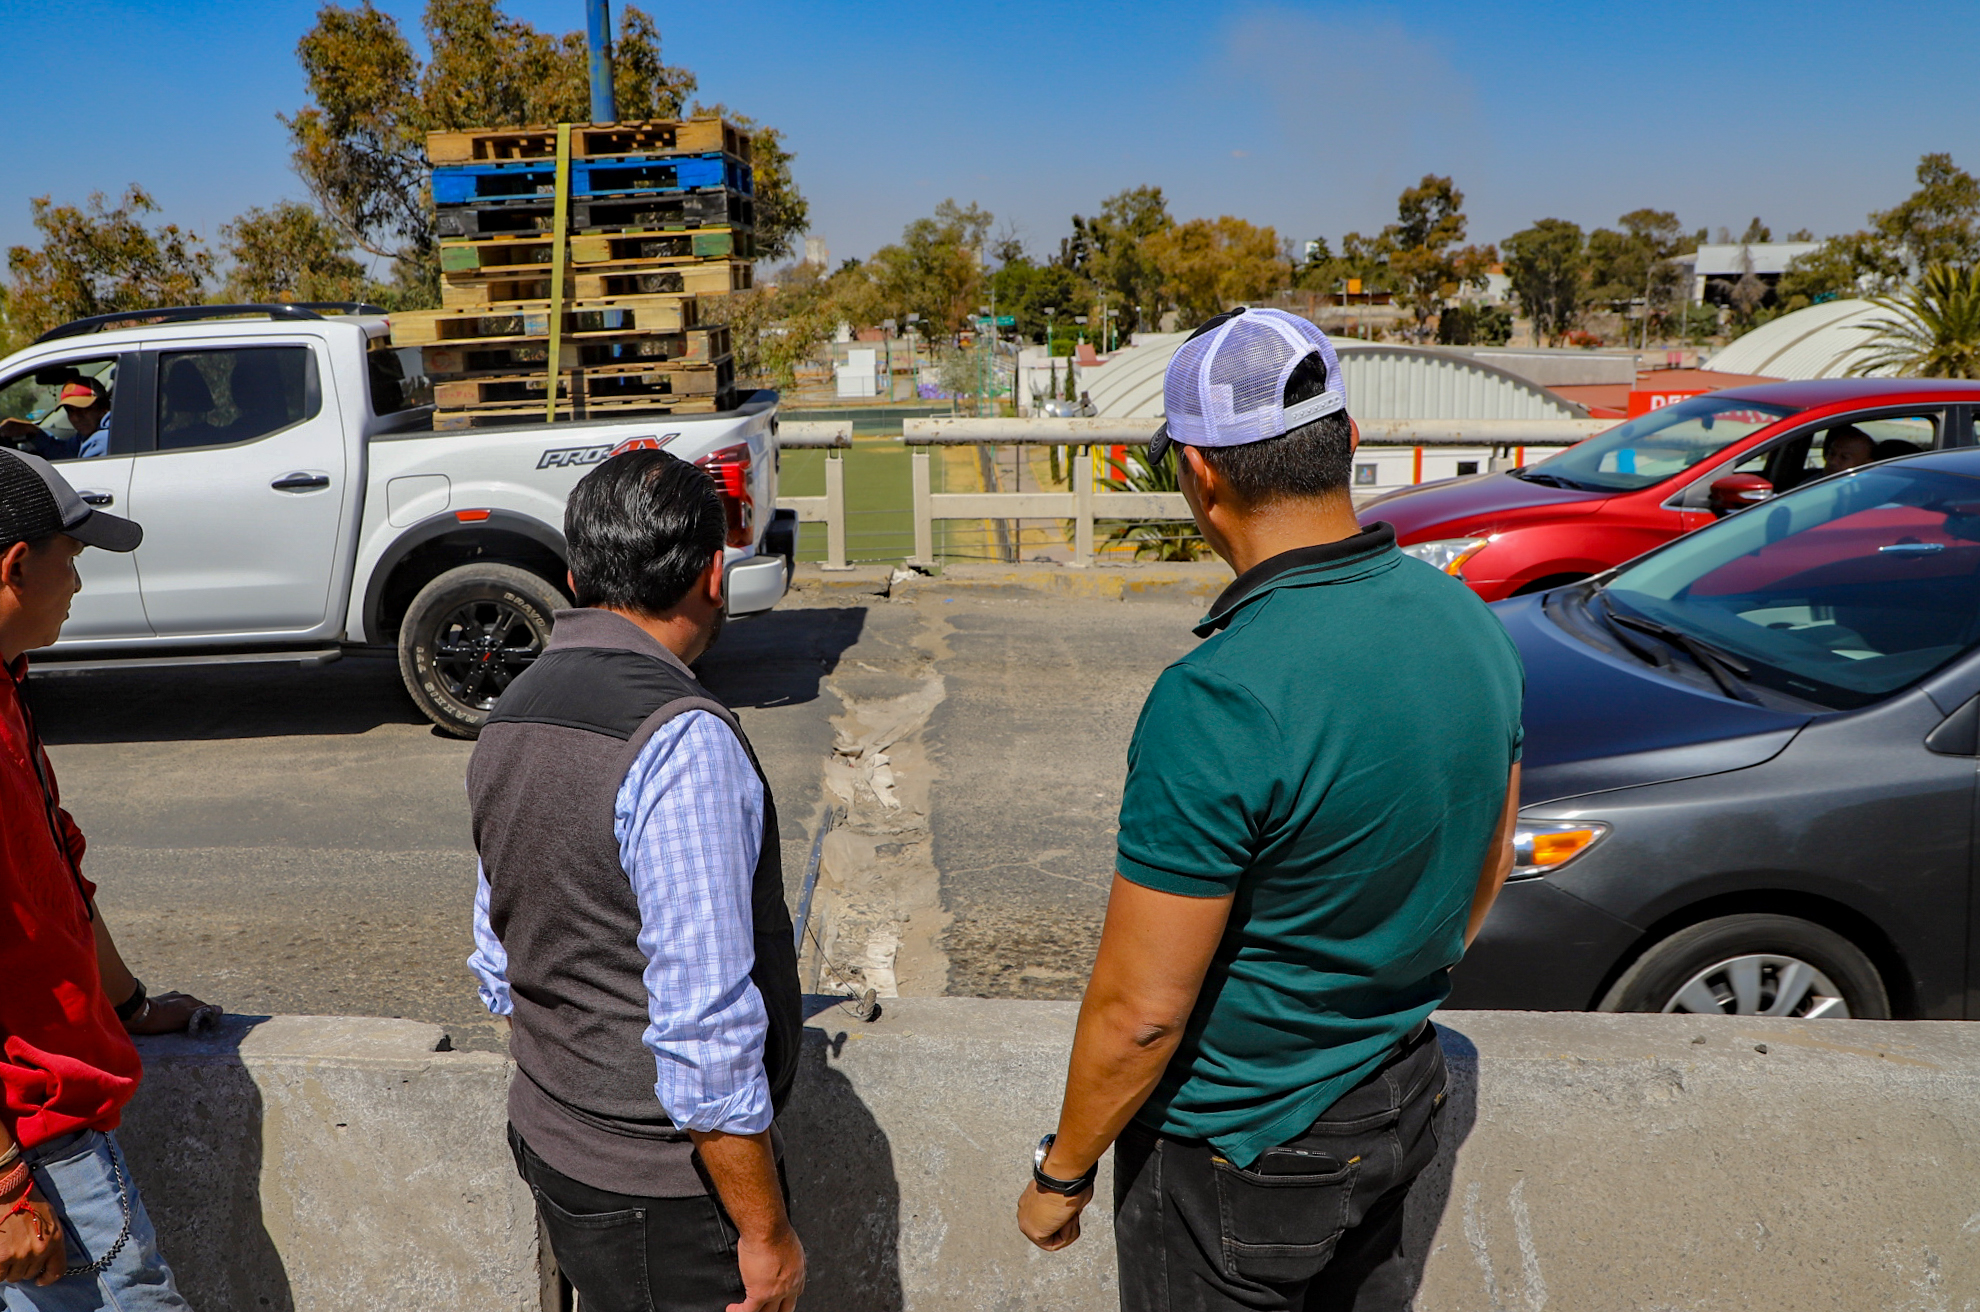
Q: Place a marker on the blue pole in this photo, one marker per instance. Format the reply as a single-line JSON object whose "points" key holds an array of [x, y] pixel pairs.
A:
{"points": [[604, 105]]}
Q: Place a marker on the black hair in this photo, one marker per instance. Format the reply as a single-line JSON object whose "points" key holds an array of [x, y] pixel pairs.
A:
{"points": [[640, 528], [1312, 460]]}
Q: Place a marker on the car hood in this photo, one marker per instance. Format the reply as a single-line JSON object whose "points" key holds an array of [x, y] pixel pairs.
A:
{"points": [[1457, 504], [1596, 722]]}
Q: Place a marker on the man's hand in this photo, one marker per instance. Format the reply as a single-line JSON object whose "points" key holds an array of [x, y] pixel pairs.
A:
{"points": [[772, 1272], [1050, 1220], [31, 1242], [165, 1013]]}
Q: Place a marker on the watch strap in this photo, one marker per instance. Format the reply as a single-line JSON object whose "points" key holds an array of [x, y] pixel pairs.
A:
{"points": [[1051, 1184]]}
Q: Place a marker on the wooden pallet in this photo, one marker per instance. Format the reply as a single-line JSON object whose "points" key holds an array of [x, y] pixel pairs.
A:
{"points": [[657, 137], [474, 359], [583, 321], [610, 383], [536, 214], [708, 278], [497, 415], [591, 179], [629, 249]]}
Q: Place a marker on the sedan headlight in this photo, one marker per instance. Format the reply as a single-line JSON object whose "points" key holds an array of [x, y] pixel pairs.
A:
{"points": [[1541, 846], [1447, 554]]}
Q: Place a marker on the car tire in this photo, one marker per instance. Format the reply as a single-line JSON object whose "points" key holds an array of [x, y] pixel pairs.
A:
{"points": [[1754, 965], [467, 635]]}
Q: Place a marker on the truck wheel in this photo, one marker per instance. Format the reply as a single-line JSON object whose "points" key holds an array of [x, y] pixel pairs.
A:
{"points": [[1754, 965], [467, 635]]}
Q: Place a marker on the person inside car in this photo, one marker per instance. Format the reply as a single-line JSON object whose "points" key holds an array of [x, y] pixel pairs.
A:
{"points": [[1847, 447], [89, 415]]}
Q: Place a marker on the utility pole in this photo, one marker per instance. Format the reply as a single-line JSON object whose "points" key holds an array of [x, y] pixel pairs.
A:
{"points": [[598, 34]]}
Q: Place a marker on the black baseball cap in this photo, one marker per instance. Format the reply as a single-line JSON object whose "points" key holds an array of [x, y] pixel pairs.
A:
{"points": [[36, 502]]}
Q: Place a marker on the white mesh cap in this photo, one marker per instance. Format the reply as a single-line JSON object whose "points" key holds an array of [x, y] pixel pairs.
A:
{"points": [[1226, 385]]}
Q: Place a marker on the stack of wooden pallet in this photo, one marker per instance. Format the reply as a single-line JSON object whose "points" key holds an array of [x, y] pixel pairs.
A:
{"points": [[656, 214]]}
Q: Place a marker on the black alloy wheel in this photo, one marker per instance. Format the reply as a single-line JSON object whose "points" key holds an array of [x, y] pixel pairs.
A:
{"points": [[468, 635]]}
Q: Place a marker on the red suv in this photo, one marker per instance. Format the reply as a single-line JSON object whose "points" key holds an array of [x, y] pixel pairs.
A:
{"points": [[1622, 492]]}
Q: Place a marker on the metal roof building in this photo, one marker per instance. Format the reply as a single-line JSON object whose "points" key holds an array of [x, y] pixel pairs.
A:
{"points": [[1383, 382], [1822, 341]]}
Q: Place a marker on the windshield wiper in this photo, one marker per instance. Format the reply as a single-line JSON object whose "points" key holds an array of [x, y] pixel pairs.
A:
{"points": [[1549, 480], [1724, 670]]}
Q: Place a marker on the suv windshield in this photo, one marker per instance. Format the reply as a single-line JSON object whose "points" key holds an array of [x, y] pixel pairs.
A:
{"points": [[1840, 593], [1652, 447]]}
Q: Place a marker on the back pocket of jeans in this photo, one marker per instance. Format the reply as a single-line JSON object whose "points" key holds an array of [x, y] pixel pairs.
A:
{"points": [[602, 1253], [1283, 1216]]}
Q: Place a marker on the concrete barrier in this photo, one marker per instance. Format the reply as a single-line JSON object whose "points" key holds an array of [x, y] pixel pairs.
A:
{"points": [[1596, 1162]]}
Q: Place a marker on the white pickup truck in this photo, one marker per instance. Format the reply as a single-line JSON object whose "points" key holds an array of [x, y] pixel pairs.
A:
{"points": [[297, 504]]}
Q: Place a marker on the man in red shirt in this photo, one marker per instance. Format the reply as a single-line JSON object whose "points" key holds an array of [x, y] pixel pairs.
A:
{"points": [[73, 1233]]}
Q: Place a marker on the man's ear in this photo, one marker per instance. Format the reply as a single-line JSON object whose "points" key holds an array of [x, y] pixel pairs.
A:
{"points": [[13, 565], [1354, 436], [711, 581]]}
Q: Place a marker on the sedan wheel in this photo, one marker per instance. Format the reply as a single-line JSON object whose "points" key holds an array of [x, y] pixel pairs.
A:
{"points": [[1753, 965], [1761, 984]]}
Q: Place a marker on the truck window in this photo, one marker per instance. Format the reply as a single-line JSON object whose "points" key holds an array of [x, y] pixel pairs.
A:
{"points": [[398, 379], [220, 398], [33, 418]]}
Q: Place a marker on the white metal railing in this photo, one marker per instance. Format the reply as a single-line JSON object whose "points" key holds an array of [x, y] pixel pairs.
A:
{"points": [[1085, 503], [830, 510]]}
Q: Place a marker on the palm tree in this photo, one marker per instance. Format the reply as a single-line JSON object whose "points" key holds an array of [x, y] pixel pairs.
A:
{"points": [[1931, 330], [1161, 539]]}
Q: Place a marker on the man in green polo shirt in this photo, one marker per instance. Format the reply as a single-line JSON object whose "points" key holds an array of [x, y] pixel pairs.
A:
{"points": [[1318, 815]]}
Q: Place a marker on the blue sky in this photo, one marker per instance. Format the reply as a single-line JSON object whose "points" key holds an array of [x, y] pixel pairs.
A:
{"points": [[1308, 117]]}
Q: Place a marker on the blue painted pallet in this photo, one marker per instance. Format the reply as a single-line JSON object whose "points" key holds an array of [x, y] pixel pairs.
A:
{"points": [[463, 184]]}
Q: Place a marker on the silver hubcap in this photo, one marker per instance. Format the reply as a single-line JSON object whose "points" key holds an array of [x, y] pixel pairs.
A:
{"points": [[1763, 984]]}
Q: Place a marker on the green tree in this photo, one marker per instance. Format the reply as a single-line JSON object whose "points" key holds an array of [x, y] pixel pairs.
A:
{"points": [[1547, 265], [96, 260], [1209, 265], [1636, 263], [290, 252], [1928, 331], [1420, 252], [360, 144], [1024, 290], [1756, 234], [1842, 266], [1109, 251], [936, 268], [1940, 222]]}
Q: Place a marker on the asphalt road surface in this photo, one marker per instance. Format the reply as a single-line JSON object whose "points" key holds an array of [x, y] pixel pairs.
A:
{"points": [[285, 840]]}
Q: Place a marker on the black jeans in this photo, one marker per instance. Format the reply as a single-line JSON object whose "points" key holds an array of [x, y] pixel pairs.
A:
{"points": [[1314, 1225], [628, 1254]]}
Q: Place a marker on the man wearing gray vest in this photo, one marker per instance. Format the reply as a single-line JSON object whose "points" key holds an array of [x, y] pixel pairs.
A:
{"points": [[630, 921]]}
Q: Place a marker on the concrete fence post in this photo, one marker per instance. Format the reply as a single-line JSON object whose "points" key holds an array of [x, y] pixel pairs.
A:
{"points": [[924, 522], [835, 511], [1083, 493]]}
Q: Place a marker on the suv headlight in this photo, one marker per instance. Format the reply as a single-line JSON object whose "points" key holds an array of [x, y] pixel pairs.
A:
{"points": [[1447, 554], [1541, 846]]}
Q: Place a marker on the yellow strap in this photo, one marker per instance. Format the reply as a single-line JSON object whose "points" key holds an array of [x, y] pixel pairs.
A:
{"points": [[560, 235]]}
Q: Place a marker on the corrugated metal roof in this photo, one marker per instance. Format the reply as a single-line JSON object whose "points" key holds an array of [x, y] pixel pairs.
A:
{"points": [[1383, 382], [1822, 341]]}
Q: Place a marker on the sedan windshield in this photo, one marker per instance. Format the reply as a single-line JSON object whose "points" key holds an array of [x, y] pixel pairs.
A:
{"points": [[1840, 593], [1653, 447]]}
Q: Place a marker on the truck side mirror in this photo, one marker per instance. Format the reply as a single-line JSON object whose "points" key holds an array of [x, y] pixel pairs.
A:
{"points": [[1738, 491]]}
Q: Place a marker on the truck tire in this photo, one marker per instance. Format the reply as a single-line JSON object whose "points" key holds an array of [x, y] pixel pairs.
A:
{"points": [[467, 635]]}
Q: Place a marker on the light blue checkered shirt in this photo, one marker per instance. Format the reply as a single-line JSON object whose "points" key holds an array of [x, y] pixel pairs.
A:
{"points": [[689, 820]]}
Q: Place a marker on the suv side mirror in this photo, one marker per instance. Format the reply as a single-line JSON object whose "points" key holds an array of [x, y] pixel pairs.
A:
{"points": [[1738, 491]]}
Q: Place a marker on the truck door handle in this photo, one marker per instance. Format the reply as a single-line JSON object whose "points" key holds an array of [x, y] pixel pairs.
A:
{"points": [[97, 498], [300, 482]]}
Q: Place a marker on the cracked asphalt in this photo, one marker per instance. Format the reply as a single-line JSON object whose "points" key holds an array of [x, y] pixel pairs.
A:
{"points": [[285, 840]]}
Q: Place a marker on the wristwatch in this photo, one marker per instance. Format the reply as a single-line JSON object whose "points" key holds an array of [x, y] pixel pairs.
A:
{"points": [[1052, 1184]]}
